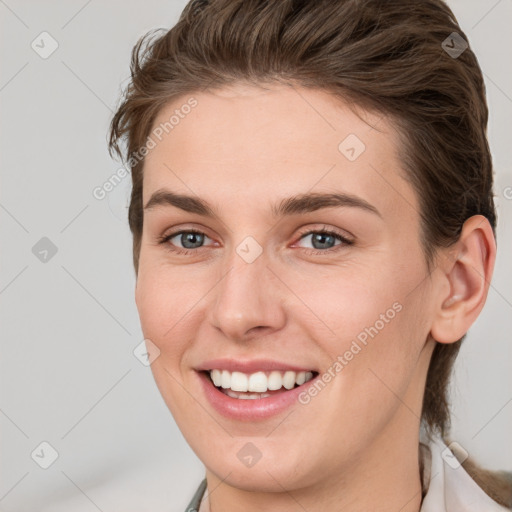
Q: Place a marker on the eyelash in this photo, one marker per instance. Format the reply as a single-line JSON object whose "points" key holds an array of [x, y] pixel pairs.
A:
{"points": [[325, 231]]}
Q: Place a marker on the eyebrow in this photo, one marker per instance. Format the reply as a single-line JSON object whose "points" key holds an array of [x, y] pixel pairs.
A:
{"points": [[298, 204]]}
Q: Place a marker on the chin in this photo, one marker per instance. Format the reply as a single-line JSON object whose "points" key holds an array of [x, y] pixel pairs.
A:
{"points": [[262, 477]]}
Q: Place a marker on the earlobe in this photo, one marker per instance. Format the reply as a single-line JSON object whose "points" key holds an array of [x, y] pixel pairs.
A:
{"points": [[467, 267]]}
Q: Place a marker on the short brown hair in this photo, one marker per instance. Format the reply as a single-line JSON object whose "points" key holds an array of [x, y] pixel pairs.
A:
{"points": [[387, 57]]}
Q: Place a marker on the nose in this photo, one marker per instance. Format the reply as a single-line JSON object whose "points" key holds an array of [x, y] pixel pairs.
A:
{"points": [[248, 301]]}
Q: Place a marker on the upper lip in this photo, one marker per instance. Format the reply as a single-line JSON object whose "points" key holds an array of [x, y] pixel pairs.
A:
{"points": [[251, 366]]}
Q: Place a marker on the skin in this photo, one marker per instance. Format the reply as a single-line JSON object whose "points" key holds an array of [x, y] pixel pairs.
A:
{"points": [[354, 446]]}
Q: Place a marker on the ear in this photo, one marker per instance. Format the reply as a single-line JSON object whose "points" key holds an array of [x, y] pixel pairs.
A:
{"points": [[467, 268]]}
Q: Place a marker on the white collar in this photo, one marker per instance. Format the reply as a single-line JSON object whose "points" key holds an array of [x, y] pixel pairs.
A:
{"points": [[450, 488]]}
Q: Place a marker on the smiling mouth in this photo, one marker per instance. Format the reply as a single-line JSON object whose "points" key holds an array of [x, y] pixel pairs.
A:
{"points": [[257, 385]]}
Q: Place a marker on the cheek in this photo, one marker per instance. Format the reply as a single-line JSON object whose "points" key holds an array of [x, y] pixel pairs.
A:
{"points": [[168, 318], [165, 303], [341, 306], [372, 322]]}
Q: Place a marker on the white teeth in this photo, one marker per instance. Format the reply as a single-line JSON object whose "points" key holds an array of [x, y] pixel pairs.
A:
{"points": [[239, 381], [246, 396], [257, 383], [275, 381], [216, 377], [225, 379], [289, 380]]}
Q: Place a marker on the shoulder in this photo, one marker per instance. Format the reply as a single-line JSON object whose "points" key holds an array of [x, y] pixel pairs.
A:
{"points": [[457, 483], [496, 484]]}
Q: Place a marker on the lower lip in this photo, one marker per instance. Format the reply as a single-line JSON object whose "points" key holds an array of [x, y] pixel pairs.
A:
{"points": [[250, 409]]}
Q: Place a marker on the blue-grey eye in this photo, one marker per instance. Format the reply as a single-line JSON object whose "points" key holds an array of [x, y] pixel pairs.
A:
{"points": [[190, 237], [324, 239]]}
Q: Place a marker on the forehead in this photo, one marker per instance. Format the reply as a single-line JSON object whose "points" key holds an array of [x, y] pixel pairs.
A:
{"points": [[247, 143]]}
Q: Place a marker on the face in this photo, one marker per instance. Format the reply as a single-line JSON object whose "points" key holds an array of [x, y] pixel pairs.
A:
{"points": [[252, 284]]}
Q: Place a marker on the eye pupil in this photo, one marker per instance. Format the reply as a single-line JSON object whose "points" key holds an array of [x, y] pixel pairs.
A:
{"points": [[321, 237], [190, 237]]}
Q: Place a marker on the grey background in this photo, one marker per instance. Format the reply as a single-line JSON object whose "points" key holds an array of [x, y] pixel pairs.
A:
{"points": [[69, 325]]}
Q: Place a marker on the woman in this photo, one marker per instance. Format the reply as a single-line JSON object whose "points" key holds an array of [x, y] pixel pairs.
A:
{"points": [[313, 235]]}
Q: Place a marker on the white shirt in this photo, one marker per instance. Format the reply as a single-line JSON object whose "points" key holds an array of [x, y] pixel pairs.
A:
{"points": [[449, 486]]}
